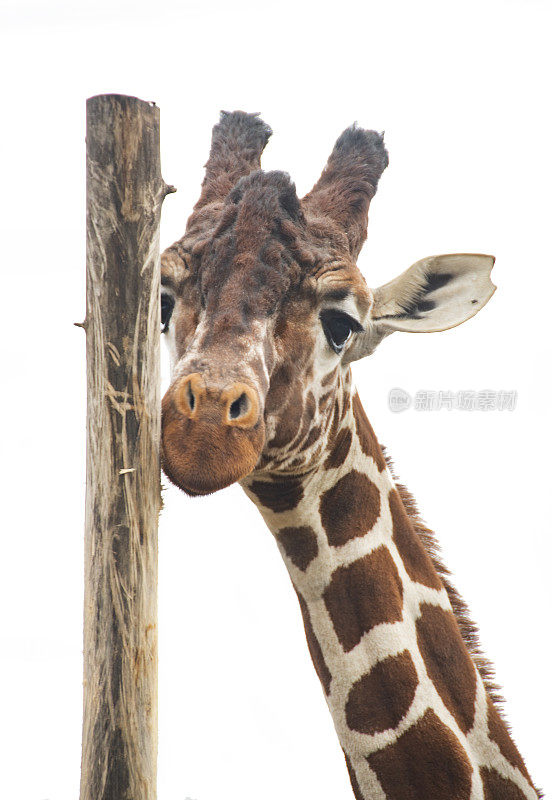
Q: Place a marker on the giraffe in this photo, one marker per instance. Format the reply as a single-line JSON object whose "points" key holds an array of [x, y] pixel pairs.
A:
{"points": [[264, 309]]}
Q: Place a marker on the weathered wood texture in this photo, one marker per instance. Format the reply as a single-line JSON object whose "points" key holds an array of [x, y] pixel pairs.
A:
{"points": [[125, 192]]}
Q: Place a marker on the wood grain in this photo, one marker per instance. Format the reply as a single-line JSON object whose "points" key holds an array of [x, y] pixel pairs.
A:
{"points": [[125, 192]]}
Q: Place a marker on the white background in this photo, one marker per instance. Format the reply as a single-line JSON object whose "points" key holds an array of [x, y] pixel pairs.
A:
{"points": [[462, 90]]}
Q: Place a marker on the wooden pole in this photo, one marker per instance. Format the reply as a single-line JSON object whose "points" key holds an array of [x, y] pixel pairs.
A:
{"points": [[125, 192]]}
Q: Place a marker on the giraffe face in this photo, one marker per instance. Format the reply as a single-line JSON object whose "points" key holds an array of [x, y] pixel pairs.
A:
{"points": [[264, 307], [260, 307]]}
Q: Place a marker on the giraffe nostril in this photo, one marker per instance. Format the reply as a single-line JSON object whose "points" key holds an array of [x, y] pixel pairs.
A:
{"points": [[239, 407], [191, 397], [241, 404], [189, 394]]}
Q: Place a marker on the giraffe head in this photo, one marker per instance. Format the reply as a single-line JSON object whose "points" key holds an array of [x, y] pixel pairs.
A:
{"points": [[264, 308]]}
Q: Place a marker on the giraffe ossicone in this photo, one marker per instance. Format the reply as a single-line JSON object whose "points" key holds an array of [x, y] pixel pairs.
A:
{"points": [[264, 309]]}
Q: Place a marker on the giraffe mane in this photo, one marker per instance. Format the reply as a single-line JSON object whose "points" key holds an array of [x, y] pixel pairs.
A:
{"points": [[468, 628]]}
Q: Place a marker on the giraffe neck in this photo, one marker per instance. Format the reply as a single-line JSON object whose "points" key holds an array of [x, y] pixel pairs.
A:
{"points": [[409, 706]]}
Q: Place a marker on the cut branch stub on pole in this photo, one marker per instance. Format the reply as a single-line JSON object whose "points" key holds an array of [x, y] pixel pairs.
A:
{"points": [[125, 192]]}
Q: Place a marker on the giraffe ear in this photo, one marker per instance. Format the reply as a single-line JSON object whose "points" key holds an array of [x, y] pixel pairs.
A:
{"points": [[434, 294]]}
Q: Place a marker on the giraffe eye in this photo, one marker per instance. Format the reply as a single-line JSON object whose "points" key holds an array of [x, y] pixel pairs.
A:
{"points": [[167, 305], [338, 328]]}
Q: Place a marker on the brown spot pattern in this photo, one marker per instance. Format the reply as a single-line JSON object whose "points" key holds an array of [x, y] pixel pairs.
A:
{"points": [[324, 400], [340, 449], [448, 663], [468, 629], [311, 438], [315, 650], [300, 545], [335, 424], [415, 557], [495, 787], [498, 733], [329, 378], [363, 595], [278, 495], [350, 508], [427, 761], [366, 436], [381, 698], [346, 401]]}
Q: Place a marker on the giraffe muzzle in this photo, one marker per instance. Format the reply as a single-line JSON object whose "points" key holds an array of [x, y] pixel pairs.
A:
{"points": [[211, 437]]}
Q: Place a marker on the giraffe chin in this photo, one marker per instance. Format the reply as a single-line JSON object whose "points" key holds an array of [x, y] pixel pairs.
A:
{"points": [[202, 464]]}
